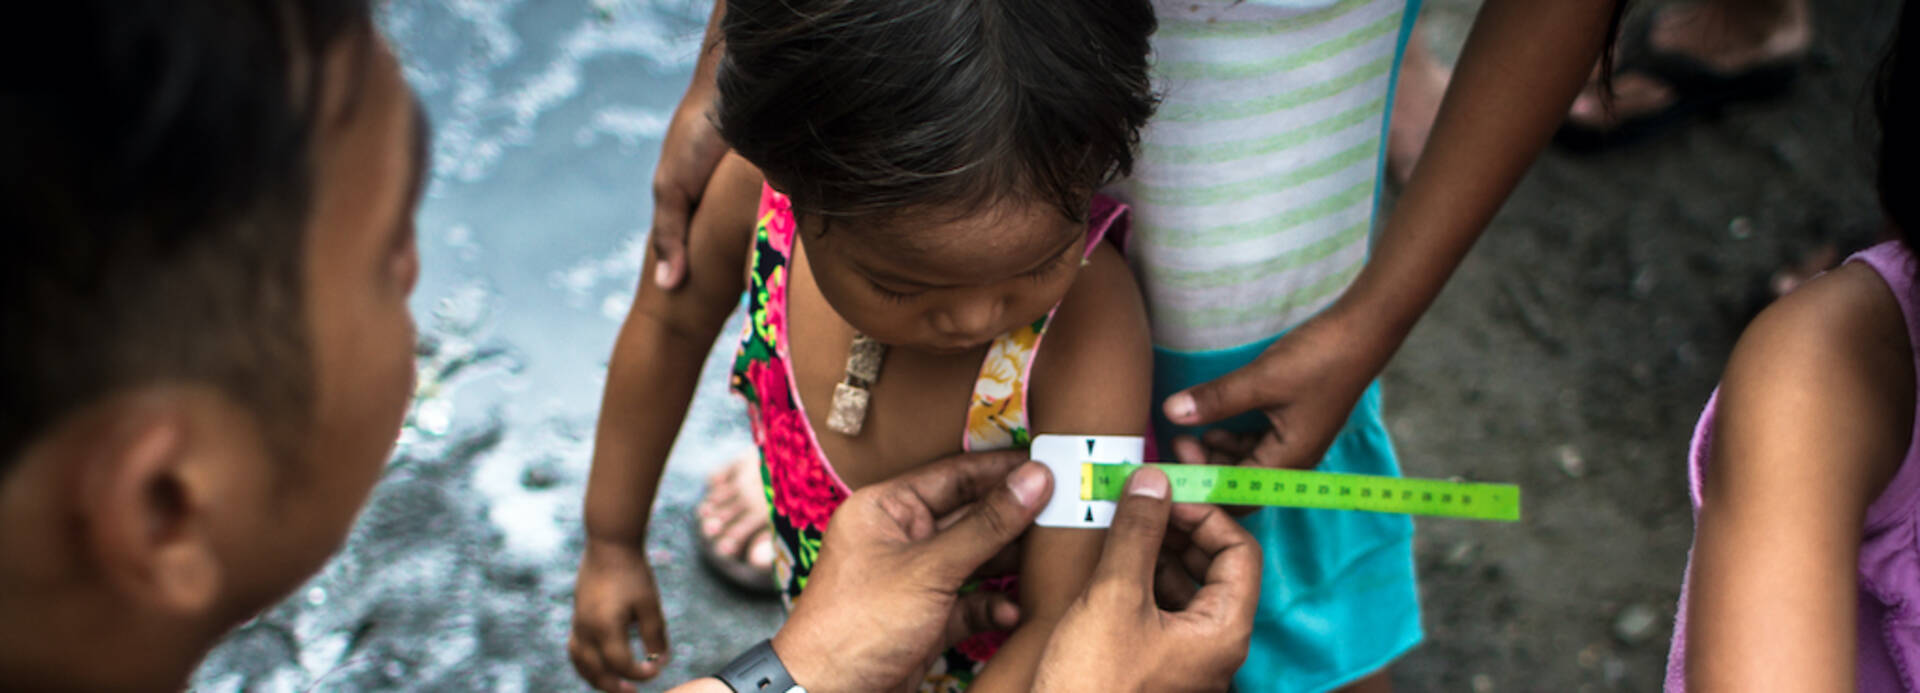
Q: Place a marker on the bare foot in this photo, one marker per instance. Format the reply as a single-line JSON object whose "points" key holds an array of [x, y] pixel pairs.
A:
{"points": [[1725, 35], [734, 523], [1416, 100]]}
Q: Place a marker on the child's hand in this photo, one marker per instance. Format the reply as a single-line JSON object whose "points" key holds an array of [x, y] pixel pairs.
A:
{"points": [[614, 593], [1307, 383]]}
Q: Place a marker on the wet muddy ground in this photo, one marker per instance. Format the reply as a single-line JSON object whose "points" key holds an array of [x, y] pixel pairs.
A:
{"points": [[1570, 355]]}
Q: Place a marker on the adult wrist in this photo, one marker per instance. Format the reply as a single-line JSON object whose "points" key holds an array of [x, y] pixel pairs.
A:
{"points": [[802, 665], [759, 670]]}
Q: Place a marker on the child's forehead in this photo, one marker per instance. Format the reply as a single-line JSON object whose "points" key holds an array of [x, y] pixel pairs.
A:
{"points": [[987, 241]]}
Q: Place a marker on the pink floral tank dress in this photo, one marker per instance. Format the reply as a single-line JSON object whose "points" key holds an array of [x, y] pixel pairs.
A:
{"points": [[801, 486]]}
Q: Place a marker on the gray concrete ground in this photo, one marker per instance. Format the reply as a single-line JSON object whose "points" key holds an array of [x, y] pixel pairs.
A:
{"points": [[1570, 355]]}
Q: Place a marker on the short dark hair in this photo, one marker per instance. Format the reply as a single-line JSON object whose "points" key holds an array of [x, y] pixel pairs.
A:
{"points": [[1897, 102], [857, 107], [155, 176]]}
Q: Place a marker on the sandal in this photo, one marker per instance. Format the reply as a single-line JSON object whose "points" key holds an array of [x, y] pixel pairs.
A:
{"points": [[1698, 88]]}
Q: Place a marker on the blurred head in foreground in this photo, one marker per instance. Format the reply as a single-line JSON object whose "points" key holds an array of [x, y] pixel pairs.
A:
{"points": [[205, 345]]}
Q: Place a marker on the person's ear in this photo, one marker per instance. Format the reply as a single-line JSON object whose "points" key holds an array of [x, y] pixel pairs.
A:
{"points": [[143, 500]]}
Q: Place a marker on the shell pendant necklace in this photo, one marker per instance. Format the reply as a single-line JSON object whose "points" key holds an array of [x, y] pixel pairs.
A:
{"points": [[853, 393]]}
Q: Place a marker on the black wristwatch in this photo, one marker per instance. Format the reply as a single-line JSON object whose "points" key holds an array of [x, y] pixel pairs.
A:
{"points": [[758, 670]]}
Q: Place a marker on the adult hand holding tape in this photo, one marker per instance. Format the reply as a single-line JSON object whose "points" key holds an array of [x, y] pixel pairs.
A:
{"points": [[1117, 638]]}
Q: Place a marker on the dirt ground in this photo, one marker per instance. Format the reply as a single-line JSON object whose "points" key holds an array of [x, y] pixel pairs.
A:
{"points": [[1570, 354]]}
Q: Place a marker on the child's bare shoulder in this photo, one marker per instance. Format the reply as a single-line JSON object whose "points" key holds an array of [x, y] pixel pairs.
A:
{"points": [[1827, 370], [1094, 372], [1845, 322]]}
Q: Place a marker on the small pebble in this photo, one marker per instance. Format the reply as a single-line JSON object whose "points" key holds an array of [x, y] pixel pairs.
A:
{"points": [[1571, 462], [1590, 656], [1482, 683], [1635, 624], [1460, 555], [1614, 671], [1741, 228]]}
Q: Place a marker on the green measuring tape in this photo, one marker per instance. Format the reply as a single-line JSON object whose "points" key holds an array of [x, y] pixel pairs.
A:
{"points": [[1297, 488]]}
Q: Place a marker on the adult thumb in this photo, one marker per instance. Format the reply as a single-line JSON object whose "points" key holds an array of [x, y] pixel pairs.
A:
{"points": [[1228, 396], [1139, 527], [992, 523]]}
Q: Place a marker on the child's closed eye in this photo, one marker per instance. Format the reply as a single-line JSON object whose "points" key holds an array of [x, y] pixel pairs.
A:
{"points": [[1046, 268]]}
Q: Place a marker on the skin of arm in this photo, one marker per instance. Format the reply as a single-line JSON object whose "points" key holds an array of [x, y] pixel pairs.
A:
{"points": [[1093, 376], [650, 380], [1522, 65], [688, 156], [1815, 415]]}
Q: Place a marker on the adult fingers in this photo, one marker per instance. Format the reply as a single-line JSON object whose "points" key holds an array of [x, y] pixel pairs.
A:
{"points": [[978, 612], [1235, 393], [945, 485], [1231, 584], [991, 524], [1173, 586], [1139, 525]]}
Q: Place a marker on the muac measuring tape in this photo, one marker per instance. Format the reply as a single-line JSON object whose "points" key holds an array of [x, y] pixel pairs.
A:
{"points": [[1100, 465]]}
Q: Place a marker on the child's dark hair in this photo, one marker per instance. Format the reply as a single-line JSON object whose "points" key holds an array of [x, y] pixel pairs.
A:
{"points": [[155, 175], [860, 107], [1897, 103]]}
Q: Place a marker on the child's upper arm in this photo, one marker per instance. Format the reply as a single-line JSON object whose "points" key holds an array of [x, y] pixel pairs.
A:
{"points": [[1093, 376], [1814, 416], [718, 238]]}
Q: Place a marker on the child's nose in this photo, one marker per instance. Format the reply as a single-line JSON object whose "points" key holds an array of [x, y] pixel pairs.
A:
{"points": [[970, 319]]}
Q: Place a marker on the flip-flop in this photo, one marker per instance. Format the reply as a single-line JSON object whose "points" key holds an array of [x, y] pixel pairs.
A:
{"points": [[1698, 88]]}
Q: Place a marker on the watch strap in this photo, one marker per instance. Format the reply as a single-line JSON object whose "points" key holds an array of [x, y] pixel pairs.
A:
{"points": [[758, 670]]}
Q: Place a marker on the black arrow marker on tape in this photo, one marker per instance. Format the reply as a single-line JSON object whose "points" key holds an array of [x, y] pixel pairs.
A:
{"points": [[1089, 517], [1089, 446]]}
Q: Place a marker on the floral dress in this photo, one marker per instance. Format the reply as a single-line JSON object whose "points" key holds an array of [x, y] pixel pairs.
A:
{"points": [[802, 488]]}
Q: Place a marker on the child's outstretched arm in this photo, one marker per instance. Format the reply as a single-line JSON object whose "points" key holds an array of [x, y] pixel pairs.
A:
{"points": [[650, 379], [1093, 376], [1814, 416], [1522, 65]]}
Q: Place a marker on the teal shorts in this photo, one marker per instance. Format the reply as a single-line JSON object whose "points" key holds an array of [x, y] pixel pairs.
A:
{"points": [[1338, 598]]}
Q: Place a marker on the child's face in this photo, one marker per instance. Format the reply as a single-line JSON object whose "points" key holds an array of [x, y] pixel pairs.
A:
{"points": [[361, 264], [946, 282]]}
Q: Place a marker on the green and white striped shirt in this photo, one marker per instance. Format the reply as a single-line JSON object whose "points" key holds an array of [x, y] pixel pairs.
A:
{"points": [[1255, 188]]}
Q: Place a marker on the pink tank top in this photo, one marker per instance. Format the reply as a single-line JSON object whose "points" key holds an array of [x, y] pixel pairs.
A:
{"points": [[1887, 620]]}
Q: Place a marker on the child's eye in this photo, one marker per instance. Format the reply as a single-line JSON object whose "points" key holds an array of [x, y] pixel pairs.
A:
{"points": [[893, 296], [1041, 272]]}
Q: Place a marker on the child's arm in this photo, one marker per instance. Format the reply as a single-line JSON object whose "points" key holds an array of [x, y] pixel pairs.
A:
{"points": [[650, 379], [1093, 376], [1814, 417], [1522, 65]]}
